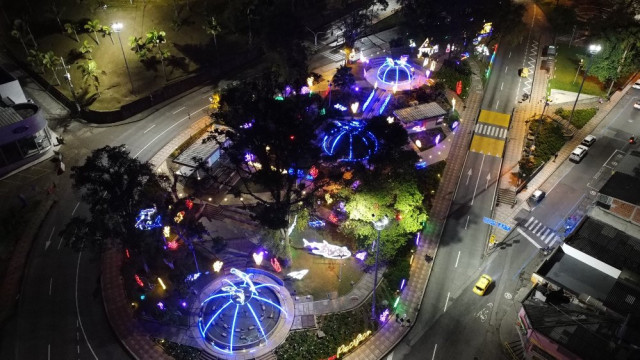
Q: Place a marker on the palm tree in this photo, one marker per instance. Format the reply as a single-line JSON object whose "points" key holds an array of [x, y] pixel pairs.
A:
{"points": [[36, 58], [211, 27], [90, 72], [86, 48], [94, 26], [18, 35], [23, 27], [107, 31], [163, 55], [51, 61], [136, 43], [71, 28], [155, 38], [56, 13]]}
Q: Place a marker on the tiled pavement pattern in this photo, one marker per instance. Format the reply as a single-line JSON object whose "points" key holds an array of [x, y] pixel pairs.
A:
{"points": [[131, 334], [515, 142], [392, 332]]}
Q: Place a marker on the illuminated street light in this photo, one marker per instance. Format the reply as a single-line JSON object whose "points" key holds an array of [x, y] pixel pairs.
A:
{"points": [[379, 226], [117, 27], [593, 49]]}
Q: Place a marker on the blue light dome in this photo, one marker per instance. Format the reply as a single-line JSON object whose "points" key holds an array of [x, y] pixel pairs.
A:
{"points": [[394, 72], [349, 141]]}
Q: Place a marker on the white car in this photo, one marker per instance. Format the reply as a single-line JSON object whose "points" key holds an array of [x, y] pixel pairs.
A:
{"points": [[636, 85], [578, 153], [637, 105], [588, 140]]}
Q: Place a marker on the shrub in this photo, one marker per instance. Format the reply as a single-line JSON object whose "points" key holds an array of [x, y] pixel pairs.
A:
{"points": [[580, 117], [453, 71]]}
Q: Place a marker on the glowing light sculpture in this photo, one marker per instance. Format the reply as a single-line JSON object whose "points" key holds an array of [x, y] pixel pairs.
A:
{"points": [[327, 250], [257, 257], [384, 316], [276, 265], [298, 275], [148, 219], [234, 308], [366, 103], [217, 265], [384, 104], [349, 141], [394, 72]]}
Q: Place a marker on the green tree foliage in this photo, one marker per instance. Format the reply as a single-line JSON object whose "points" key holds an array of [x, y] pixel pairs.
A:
{"points": [[211, 27], [451, 72], [86, 49], [36, 58], [51, 62], [72, 28], [93, 26], [115, 186], [562, 19], [90, 74]]}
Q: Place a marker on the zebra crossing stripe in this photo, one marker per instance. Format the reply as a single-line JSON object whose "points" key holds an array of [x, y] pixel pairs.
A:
{"points": [[503, 133], [541, 231], [477, 129], [546, 233], [532, 225], [529, 222], [537, 227]]}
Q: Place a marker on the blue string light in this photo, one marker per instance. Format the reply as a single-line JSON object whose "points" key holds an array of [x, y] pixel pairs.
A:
{"points": [[360, 146]]}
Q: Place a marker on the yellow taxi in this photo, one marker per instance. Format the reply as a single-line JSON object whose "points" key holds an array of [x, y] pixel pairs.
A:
{"points": [[524, 72], [482, 285]]}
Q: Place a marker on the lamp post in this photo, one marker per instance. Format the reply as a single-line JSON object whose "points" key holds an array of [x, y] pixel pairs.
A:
{"points": [[593, 49], [117, 27], [68, 77], [378, 225], [315, 35]]}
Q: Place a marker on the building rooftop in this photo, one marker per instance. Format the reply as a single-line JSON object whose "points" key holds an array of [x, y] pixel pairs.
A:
{"points": [[582, 329], [198, 151], [8, 116], [419, 112], [624, 184]]}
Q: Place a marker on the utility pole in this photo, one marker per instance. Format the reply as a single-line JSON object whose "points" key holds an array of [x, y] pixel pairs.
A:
{"points": [[68, 77]]}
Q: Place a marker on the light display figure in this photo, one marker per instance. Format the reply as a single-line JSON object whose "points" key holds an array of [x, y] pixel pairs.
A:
{"points": [[148, 219]]}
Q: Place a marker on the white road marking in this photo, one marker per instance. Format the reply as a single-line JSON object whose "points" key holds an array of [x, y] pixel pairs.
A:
{"points": [[48, 242], [497, 102], [529, 238], [390, 356], [162, 133], [152, 126], [49, 351], [446, 302], [495, 189], [434, 352], [505, 69], [50, 285], [75, 208], [467, 224], [501, 85], [477, 181], [79, 322], [509, 54], [458, 258], [177, 111]]}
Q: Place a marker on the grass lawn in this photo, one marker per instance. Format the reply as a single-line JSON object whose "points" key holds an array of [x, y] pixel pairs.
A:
{"points": [[580, 117], [566, 64], [323, 276]]}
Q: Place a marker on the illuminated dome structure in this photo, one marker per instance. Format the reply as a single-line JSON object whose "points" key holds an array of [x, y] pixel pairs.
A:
{"points": [[349, 141], [394, 72], [241, 313]]}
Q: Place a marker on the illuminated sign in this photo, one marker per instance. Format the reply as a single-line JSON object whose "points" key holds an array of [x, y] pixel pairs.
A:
{"points": [[343, 349]]}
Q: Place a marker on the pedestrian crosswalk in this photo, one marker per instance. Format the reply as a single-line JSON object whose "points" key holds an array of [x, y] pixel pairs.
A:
{"points": [[539, 234], [491, 130], [335, 57]]}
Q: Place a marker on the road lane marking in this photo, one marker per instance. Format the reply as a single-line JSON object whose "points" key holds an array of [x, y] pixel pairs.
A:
{"points": [[162, 133], [501, 85], [509, 54], [478, 180], [50, 285], [79, 322], [177, 111], [434, 352], [467, 224], [48, 242], [49, 351], [495, 189], [497, 103], [505, 69], [152, 126], [75, 208], [458, 258], [460, 177], [446, 302]]}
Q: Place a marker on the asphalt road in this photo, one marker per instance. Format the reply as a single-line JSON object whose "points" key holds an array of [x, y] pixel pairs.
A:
{"points": [[61, 314], [453, 322]]}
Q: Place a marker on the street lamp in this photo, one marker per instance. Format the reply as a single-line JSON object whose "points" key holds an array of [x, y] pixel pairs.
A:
{"points": [[378, 225], [593, 49], [315, 35], [117, 27]]}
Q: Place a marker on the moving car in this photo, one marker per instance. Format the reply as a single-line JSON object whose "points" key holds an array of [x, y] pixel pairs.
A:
{"points": [[482, 285], [578, 153], [588, 140], [524, 72], [537, 196], [637, 105], [636, 85]]}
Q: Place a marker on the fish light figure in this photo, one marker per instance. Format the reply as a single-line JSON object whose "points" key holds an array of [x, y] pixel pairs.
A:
{"points": [[298, 275], [327, 250]]}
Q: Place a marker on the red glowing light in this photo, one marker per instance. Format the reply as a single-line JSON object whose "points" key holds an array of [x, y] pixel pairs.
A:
{"points": [[189, 204], [172, 245], [126, 251], [398, 216], [276, 265], [138, 280], [459, 87], [313, 172], [291, 137], [333, 218]]}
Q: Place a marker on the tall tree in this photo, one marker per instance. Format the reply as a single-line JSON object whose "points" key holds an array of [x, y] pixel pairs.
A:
{"points": [[94, 26], [86, 49], [115, 186], [154, 39], [274, 136], [343, 79], [211, 27], [90, 74], [18, 35], [72, 28], [36, 58]]}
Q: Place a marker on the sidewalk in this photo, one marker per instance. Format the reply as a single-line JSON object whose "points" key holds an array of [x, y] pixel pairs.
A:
{"points": [[391, 333]]}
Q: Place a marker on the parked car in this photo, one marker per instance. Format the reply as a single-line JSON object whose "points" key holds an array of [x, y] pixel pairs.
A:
{"points": [[524, 72], [637, 105], [636, 85], [578, 153], [537, 196], [482, 285], [588, 140]]}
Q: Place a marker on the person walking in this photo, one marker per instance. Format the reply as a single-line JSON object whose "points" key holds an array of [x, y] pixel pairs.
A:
{"points": [[555, 157]]}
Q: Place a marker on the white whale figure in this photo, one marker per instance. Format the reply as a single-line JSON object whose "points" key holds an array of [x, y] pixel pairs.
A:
{"points": [[327, 250]]}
